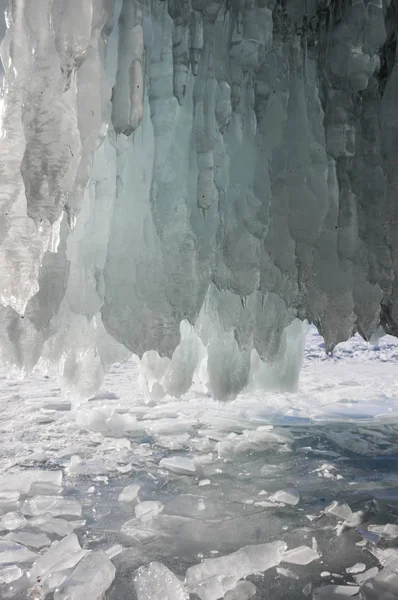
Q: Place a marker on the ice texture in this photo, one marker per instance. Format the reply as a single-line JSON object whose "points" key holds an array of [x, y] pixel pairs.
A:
{"points": [[214, 577], [90, 579], [157, 582], [190, 180]]}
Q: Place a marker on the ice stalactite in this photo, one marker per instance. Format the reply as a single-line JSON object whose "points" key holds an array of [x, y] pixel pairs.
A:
{"points": [[191, 178]]}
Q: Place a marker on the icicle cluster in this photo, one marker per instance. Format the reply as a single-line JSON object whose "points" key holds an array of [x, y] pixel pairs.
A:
{"points": [[185, 178]]}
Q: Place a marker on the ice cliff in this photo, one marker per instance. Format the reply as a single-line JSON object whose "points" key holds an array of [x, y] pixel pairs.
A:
{"points": [[189, 180]]}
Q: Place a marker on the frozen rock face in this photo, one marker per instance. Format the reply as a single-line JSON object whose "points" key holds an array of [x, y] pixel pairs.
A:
{"points": [[186, 179]]}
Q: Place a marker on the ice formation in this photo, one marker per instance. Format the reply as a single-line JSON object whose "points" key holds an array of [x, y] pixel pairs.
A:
{"points": [[189, 180]]}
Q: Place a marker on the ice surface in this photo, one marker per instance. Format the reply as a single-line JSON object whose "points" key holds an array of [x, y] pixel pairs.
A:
{"points": [[222, 573], [129, 493], [11, 521], [60, 556], [11, 552], [32, 540], [261, 190], [302, 555], [178, 464], [52, 505], [9, 574], [157, 582], [291, 497], [243, 591], [90, 579]]}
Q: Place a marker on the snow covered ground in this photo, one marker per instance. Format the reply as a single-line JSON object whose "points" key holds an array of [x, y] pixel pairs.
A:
{"points": [[272, 496]]}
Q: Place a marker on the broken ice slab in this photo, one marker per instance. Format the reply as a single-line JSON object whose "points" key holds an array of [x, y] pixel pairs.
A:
{"points": [[11, 521], [357, 568], [232, 567], [369, 574], [303, 555], [178, 464], [59, 527], [157, 582], [22, 481], [53, 505], [114, 551], [290, 496], [135, 529], [388, 531], [244, 590], [146, 511], [129, 493], [10, 574], [11, 552], [89, 580], [341, 510], [60, 556], [335, 592], [33, 540]]}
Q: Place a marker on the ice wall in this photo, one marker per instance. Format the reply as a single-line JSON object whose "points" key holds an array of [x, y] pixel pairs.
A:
{"points": [[185, 179]]}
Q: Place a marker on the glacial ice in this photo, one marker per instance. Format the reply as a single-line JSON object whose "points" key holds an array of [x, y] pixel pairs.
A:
{"points": [[190, 181]]}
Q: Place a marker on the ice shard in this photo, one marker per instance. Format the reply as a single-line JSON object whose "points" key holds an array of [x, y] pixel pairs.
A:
{"points": [[192, 180]]}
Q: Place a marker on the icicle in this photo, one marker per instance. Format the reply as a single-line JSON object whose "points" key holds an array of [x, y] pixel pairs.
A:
{"points": [[128, 93], [196, 41], [180, 12]]}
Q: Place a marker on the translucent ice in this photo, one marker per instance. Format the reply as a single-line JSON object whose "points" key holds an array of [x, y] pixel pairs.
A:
{"points": [[11, 552], [261, 191], [303, 555], [225, 571], [53, 505], [90, 579], [157, 582], [178, 464], [9, 574], [291, 497], [129, 493]]}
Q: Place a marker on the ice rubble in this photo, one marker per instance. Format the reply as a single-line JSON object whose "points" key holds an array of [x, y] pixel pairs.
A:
{"points": [[183, 179]]}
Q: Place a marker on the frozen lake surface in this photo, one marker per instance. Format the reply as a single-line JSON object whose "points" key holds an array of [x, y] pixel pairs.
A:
{"points": [[271, 496]]}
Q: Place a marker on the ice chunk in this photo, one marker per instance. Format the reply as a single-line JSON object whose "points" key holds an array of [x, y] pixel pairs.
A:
{"points": [[307, 589], [33, 540], [53, 505], [157, 582], [89, 580], [10, 574], [22, 482], [339, 510], [204, 482], [369, 574], [12, 520], [357, 568], [11, 552], [135, 529], [129, 493], [146, 511], [60, 556], [114, 551], [388, 531], [337, 592], [178, 464], [290, 496], [59, 527], [243, 591], [303, 555], [287, 573], [232, 567]]}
